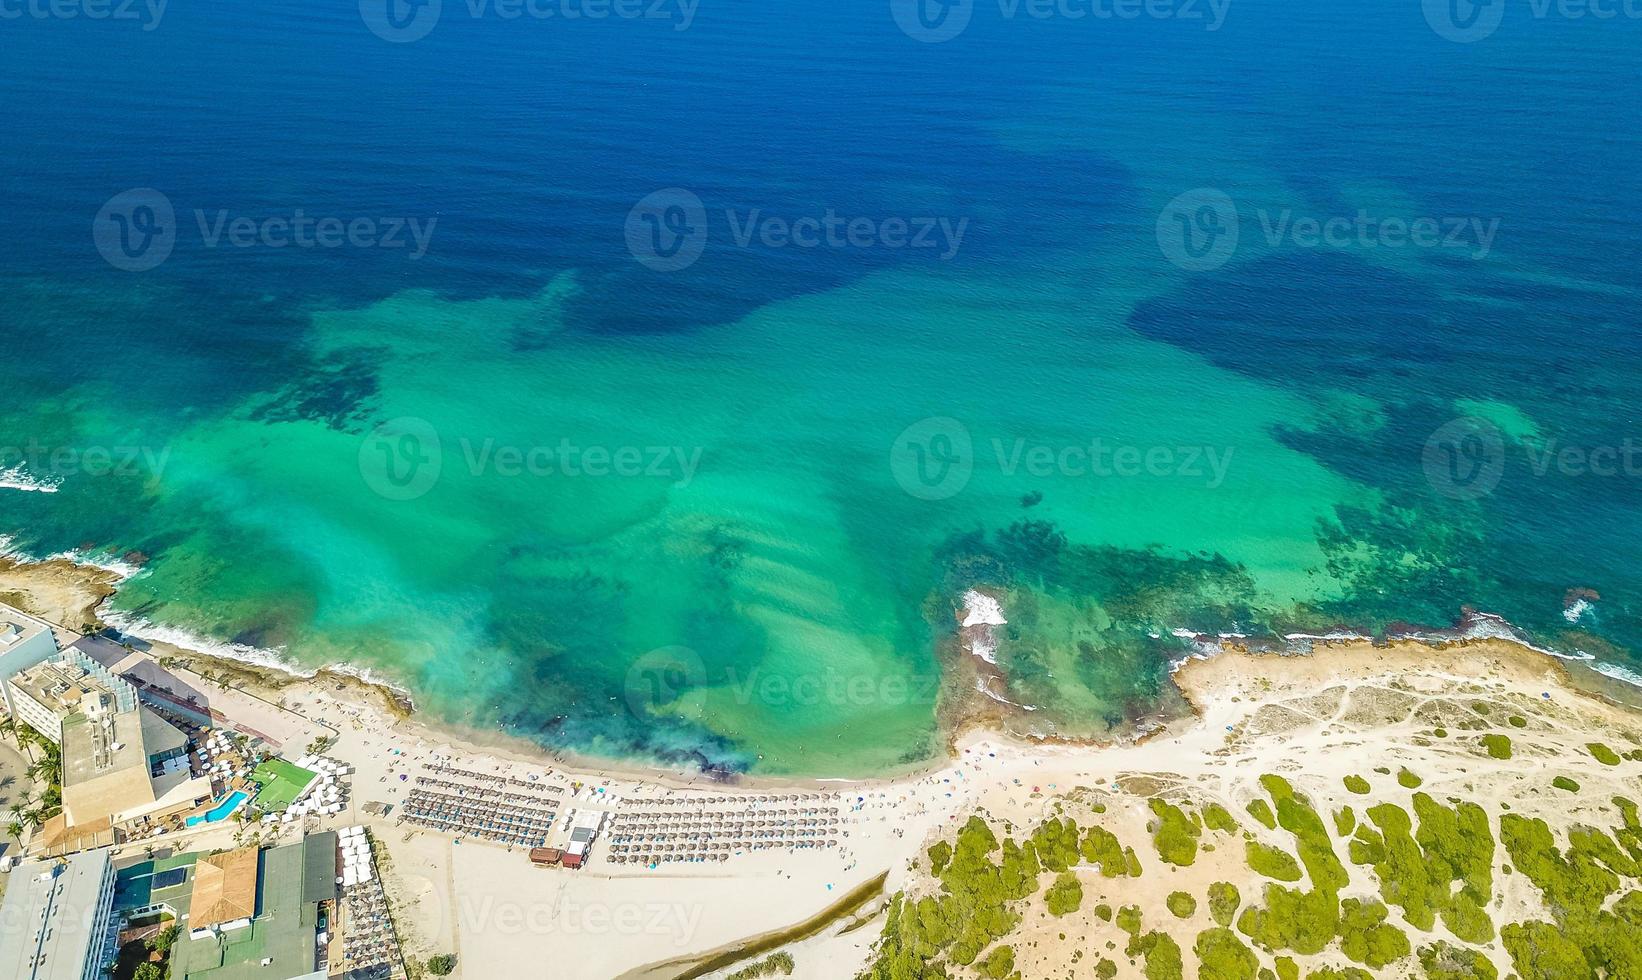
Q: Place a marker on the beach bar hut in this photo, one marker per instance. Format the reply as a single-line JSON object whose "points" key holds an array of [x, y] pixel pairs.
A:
{"points": [[545, 857]]}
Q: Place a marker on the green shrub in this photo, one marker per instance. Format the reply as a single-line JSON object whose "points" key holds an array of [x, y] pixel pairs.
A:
{"points": [[1443, 961], [1602, 753], [1222, 956], [1177, 834], [1105, 969], [1358, 785], [1272, 862], [1260, 810], [1408, 780], [1517, 721], [1302, 921], [1366, 938], [1065, 895], [1345, 821], [1103, 912], [1217, 817], [998, 964], [1182, 904], [1224, 900], [1564, 783], [1498, 746]]}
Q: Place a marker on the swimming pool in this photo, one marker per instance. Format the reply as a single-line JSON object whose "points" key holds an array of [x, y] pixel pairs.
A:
{"points": [[221, 811]]}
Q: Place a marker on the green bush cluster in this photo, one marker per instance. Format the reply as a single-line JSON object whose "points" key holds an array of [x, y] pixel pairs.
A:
{"points": [[1445, 961], [1408, 780], [970, 913], [1585, 938], [1564, 783], [1260, 810], [1417, 873], [1357, 784], [1176, 836]]}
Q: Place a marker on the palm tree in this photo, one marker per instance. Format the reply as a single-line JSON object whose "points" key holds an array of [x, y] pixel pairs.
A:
{"points": [[14, 830]]}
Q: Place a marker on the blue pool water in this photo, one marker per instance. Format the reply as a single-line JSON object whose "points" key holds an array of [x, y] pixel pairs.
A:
{"points": [[221, 811]]}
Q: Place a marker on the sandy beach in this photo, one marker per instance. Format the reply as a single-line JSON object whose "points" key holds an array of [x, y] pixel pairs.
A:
{"points": [[1345, 707]]}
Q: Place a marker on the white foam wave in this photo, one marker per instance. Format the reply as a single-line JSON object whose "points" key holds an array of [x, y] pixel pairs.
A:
{"points": [[1576, 609], [1624, 675], [100, 560], [981, 609], [17, 478], [983, 685], [183, 639], [981, 614], [267, 659]]}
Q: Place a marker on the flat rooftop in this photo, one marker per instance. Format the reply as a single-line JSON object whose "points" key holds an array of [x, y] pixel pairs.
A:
{"points": [[45, 925], [17, 626]]}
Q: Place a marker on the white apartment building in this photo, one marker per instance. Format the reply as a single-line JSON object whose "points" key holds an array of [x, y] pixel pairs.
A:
{"points": [[57, 922]]}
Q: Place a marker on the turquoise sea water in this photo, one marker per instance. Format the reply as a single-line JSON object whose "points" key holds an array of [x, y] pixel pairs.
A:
{"points": [[525, 457]]}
